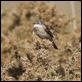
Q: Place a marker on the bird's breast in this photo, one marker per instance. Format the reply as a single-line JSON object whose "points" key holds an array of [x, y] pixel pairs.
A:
{"points": [[41, 32]]}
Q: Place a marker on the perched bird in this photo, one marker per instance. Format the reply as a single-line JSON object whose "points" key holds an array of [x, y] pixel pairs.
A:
{"points": [[43, 31]]}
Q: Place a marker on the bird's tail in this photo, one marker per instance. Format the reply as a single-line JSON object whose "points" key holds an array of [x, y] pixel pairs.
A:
{"points": [[54, 45]]}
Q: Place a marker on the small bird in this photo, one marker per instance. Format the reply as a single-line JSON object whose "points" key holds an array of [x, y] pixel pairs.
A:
{"points": [[43, 31]]}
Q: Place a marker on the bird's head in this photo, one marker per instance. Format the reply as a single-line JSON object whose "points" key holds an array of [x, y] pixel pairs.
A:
{"points": [[38, 23]]}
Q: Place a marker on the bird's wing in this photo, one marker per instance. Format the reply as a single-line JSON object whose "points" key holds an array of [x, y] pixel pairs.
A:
{"points": [[48, 31]]}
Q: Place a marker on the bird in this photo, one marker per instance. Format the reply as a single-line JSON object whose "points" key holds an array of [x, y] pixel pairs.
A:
{"points": [[43, 32]]}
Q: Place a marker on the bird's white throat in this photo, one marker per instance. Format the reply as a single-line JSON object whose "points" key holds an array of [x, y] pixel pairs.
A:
{"points": [[38, 25]]}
